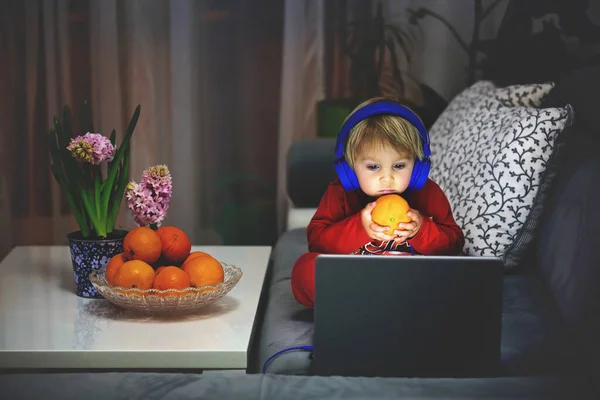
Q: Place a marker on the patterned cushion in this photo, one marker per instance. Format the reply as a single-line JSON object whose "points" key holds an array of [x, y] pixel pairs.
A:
{"points": [[490, 154], [524, 95]]}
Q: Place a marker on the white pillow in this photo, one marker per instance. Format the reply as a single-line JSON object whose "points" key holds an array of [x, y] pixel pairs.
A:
{"points": [[524, 95], [489, 155]]}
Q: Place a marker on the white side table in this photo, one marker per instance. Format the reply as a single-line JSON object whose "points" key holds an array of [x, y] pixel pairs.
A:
{"points": [[44, 324]]}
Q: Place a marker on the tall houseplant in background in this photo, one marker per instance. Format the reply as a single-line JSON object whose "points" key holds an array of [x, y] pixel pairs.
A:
{"points": [[373, 47], [92, 172]]}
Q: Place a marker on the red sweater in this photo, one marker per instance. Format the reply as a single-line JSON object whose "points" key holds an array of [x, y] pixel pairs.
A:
{"points": [[336, 227]]}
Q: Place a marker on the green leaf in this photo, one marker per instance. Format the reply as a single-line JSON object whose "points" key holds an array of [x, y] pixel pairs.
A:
{"points": [[115, 205], [113, 138], [79, 217], [53, 146], [100, 213], [60, 169], [99, 227], [112, 173], [62, 141]]}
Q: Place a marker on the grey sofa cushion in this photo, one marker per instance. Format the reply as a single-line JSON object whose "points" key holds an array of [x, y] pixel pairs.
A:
{"points": [[286, 322], [309, 170], [225, 386], [569, 255], [535, 340], [290, 246]]}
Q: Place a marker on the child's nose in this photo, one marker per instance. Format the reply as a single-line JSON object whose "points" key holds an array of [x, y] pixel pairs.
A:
{"points": [[387, 176]]}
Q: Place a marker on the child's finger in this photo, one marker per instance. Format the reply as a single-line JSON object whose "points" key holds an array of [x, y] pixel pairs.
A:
{"points": [[367, 210], [378, 228], [386, 237], [408, 226], [400, 239]]}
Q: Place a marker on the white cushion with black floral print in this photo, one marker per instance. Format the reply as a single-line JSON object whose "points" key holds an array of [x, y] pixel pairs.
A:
{"points": [[490, 150]]}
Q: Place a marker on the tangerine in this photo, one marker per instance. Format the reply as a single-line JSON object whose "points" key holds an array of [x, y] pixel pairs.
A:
{"points": [[176, 245], [390, 210], [135, 274], [113, 266], [142, 243], [204, 271], [195, 254], [171, 277], [157, 270]]}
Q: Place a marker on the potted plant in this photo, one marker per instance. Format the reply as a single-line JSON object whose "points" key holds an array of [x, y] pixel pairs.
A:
{"points": [[92, 172], [368, 42]]}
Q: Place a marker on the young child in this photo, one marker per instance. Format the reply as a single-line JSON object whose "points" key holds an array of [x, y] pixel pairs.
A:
{"points": [[382, 148]]}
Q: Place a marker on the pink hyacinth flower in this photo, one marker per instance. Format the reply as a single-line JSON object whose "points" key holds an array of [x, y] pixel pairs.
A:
{"points": [[149, 199], [92, 147]]}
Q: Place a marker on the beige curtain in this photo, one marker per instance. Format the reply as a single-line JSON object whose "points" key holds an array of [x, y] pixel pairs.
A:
{"points": [[36, 81], [207, 78], [302, 85], [128, 61]]}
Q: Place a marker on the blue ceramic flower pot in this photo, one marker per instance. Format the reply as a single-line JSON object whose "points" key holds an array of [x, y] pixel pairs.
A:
{"points": [[88, 255]]}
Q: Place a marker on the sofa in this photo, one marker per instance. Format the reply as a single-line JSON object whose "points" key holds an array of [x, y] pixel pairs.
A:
{"points": [[551, 305]]}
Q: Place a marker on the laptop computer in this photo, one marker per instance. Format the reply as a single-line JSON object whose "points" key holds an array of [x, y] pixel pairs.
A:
{"points": [[403, 316]]}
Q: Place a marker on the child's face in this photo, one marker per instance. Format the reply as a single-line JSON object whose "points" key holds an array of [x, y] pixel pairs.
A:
{"points": [[382, 170]]}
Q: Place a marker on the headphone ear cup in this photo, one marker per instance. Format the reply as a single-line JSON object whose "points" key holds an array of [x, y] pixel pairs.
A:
{"points": [[346, 174], [419, 174]]}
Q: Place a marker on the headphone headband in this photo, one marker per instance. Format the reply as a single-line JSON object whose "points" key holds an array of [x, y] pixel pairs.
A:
{"points": [[381, 108]]}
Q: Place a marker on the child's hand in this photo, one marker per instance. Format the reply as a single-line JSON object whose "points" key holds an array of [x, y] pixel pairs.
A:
{"points": [[374, 230], [407, 230]]}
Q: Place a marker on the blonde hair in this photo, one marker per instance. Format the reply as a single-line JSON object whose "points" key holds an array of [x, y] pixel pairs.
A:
{"points": [[383, 130]]}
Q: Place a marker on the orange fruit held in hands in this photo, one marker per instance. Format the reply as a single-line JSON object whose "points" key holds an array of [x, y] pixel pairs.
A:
{"points": [[171, 277], [113, 266], [204, 271], [176, 245], [390, 210], [143, 244], [135, 274]]}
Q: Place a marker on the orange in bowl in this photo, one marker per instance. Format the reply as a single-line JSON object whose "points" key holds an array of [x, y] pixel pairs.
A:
{"points": [[135, 274], [113, 266], [142, 243], [175, 244], [171, 277], [204, 271]]}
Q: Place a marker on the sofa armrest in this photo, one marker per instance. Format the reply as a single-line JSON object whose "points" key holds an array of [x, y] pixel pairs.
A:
{"points": [[310, 169], [299, 217]]}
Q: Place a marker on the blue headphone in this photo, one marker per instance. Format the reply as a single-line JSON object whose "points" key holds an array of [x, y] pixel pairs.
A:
{"points": [[344, 170]]}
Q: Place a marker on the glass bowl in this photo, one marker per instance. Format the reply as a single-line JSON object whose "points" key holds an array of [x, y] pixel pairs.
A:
{"points": [[170, 301]]}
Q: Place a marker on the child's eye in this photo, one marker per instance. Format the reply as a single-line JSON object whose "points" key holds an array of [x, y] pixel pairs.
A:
{"points": [[399, 166], [372, 167]]}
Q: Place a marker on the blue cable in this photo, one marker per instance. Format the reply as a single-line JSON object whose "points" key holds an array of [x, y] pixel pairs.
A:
{"points": [[305, 348]]}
